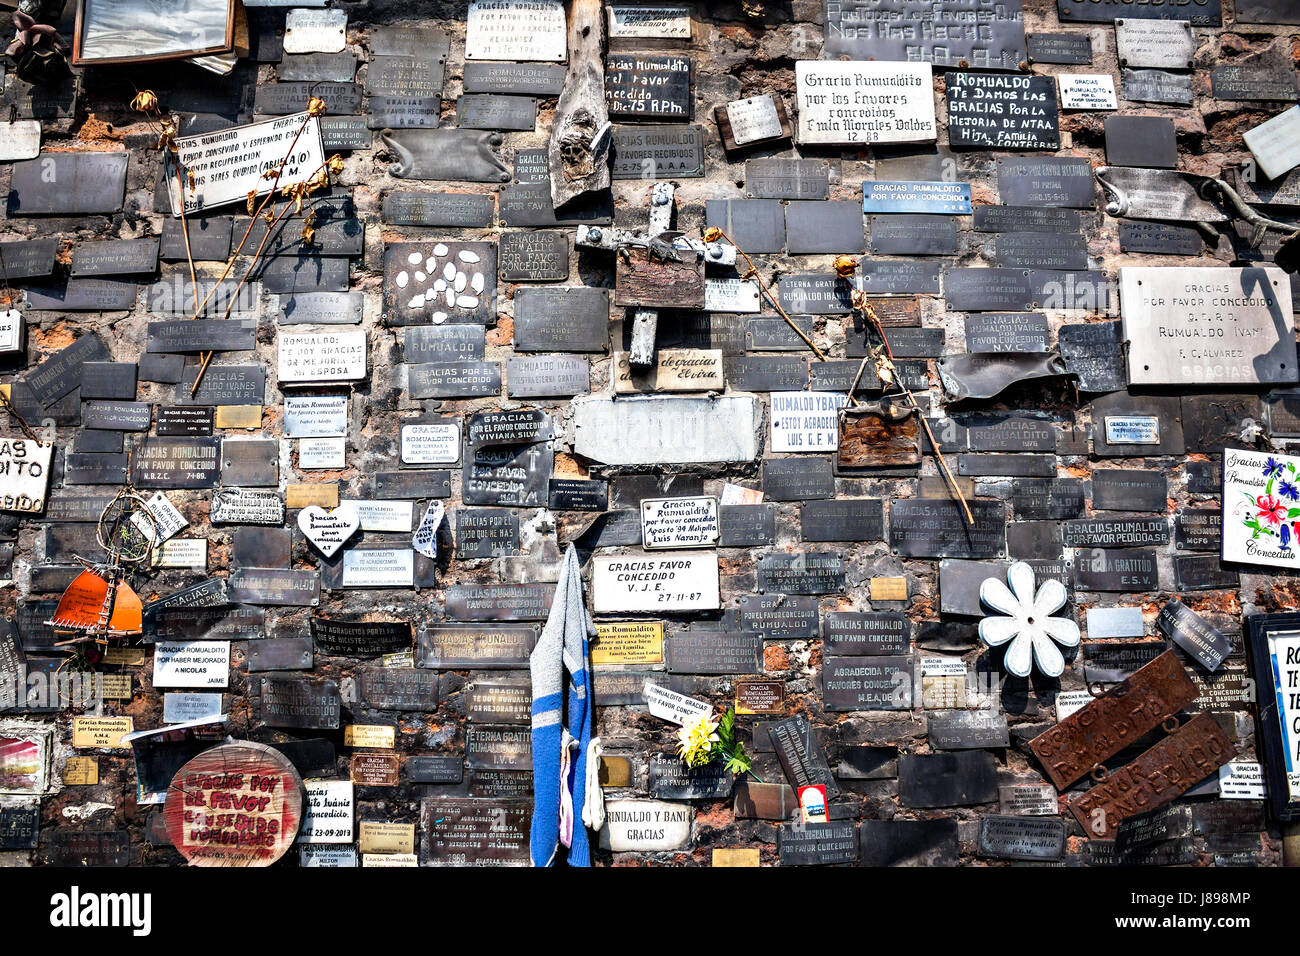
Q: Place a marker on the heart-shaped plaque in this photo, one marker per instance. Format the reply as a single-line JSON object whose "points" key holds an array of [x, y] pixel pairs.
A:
{"points": [[328, 530]]}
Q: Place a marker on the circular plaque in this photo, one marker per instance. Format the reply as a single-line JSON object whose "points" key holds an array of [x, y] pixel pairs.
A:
{"points": [[237, 804]]}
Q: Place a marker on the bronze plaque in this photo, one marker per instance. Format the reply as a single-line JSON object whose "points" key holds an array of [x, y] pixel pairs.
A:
{"points": [[372, 768], [1171, 767], [1114, 720]]}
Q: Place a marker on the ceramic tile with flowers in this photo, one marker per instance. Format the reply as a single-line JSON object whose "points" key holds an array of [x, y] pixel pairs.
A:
{"points": [[1275, 512]]}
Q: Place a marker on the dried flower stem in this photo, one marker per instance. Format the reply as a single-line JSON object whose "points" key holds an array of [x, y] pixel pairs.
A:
{"points": [[768, 292], [870, 315], [275, 184]]}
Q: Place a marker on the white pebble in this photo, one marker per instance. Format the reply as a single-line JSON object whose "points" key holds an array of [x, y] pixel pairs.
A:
{"points": [[451, 299], [420, 277], [467, 302], [416, 303], [439, 318], [414, 258], [461, 281], [449, 272], [466, 256], [402, 279], [477, 282], [439, 285], [440, 249]]}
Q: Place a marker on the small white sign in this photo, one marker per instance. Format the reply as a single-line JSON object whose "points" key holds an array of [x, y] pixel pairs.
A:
{"points": [[228, 164], [851, 102], [316, 454], [324, 855], [191, 663], [943, 667], [425, 539], [1070, 701], [529, 30], [1275, 143], [1132, 430], [1242, 780], [669, 705], [383, 515], [11, 331], [432, 444], [180, 706], [679, 522], [1087, 91], [806, 421], [315, 416], [189, 553], [166, 519], [686, 581], [731, 295], [328, 812], [651, 23], [379, 568], [753, 120], [328, 530], [20, 139], [322, 357]]}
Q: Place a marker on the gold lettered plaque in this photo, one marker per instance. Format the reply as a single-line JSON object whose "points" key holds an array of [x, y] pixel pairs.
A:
{"points": [[376, 736], [379, 836], [101, 732], [239, 416], [117, 686], [629, 642], [888, 589], [735, 856], [81, 772], [303, 496]]}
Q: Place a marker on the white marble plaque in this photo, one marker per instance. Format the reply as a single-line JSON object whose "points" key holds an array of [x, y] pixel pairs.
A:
{"points": [[668, 430], [806, 421], [20, 139], [191, 663], [322, 357], [1275, 143], [11, 331], [646, 825], [649, 23], [1208, 326], [228, 164], [431, 444], [687, 581], [731, 295], [315, 416], [1166, 44], [315, 31], [180, 706], [528, 30], [754, 119], [322, 453], [1260, 508], [1087, 91], [328, 812], [379, 568], [383, 515], [849, 102], [679, 522], [24, 474]]}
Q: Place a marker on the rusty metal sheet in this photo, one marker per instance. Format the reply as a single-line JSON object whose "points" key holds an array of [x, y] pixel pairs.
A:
{"points": [[645, 280], [879, 434], [1114, 720], [1167, 770]]}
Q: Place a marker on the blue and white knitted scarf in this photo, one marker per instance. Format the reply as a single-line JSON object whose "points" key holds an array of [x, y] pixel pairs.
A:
{"points": [[561, 647]]}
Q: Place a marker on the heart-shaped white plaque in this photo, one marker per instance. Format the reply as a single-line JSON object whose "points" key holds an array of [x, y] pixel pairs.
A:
{"points": [[328, 530]]}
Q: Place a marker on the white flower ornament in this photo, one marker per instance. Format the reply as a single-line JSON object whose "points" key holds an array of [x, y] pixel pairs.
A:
{"points": [[1029, 626]]}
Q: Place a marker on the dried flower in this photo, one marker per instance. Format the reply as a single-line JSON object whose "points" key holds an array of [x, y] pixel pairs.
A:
{"points": [[712, 234], [845, 266], [191, 179], [146, 101], [252, 200], [308, 233], [316, 106], [335, 164], [166, 138]]}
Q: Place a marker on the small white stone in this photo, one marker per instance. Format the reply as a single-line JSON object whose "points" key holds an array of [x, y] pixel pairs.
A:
{"points": [[417, 302], [477, 282], [467, 302], [420, 277], [402, 279], [466, 256], [449, 271], [439, 318], [461, 281], [440, 249], [450, 296], [439, 285], [414, 258]]}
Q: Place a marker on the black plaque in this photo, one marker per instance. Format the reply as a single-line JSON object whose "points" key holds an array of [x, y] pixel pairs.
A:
{"points": [[988, 290], [506, 602], [913, 235], [1001, 332], [68, 183], [807, 572], [1127, 571], [280, 99], [778, 616], [1127, 489], [1040, 250], [843, 519], [459, 210], [1202, 13], [454, 380], [765, 373], [1254, 81], [1094, 353], [746, 526], [424, 483], [895, 277], [655, 152], [714, 652], [755, 225], [435, 770], [187, 422], [493, 111], [453, 647], [1157, 86], [577, 494], [1203, 572], [486, 532], [1066, 48], [223, 385], [670, 779], [817, 844], [1159, 238], [866, 633], [1047, 499], [821, 227], [288, 702], [399, 688], [61, 372], [1194, 634], [365, 639], [1046, 181], [176, 463], [984, 34], [526, 79], [1026, 218], [815, 294], [113, 257], [1146, 141], [114, 380], [800, 753], [1116, 532], [30, 259], [1002, 110], [936, 528], [648, 87], [797, 479], [962, 778]]}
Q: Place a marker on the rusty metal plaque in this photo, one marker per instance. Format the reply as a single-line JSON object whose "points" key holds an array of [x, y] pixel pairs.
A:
{"points": [[1171, 767], [642, 280], [1114, 720]]}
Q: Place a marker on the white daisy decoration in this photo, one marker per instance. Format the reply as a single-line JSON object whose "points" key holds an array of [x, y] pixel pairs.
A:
{"points": [[1029, 626]]}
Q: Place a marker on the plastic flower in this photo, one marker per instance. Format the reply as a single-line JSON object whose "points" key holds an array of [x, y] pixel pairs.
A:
{"points": [[695, 740], [1032, 631], [1270, 509]]}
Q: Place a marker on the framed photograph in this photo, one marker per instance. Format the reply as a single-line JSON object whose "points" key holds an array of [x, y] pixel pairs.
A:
{"points": [[132, 31], [25, 751], [1273, 643]]}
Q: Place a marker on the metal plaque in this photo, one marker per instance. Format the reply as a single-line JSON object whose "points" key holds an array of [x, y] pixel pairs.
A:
{"points": [[1157, 86], [1146, 141], [1159, 238], [1254, 81], [813, 227], [1181, 760], [1065, 48], [1167, 44], [799, 751], [982, 34], [281, 99], [659, 152], [461, 379], [1194, 634], [1020, 838], [648, 87], [460, 210], [436, 282], [176, 463], [936, 528], [521, 79], [1046, 181], [988, 290], [1116, 489], [279, 654], [364, 639], [867, 683], [271, 586], [446, 154], [967, 729], [913, 235], [714, 652], [1027, 218], [746, 526], [562, 320], [1001, 332], [68, 183], [1201, 13], [1116, 532], [817, 844], [510, 602], [313, 705], [806, 572], [845, 519], [960, 778], [499, 701]]}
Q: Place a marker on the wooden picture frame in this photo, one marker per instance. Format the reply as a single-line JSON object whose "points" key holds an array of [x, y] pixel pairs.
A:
{"points": [[135, 14]]}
